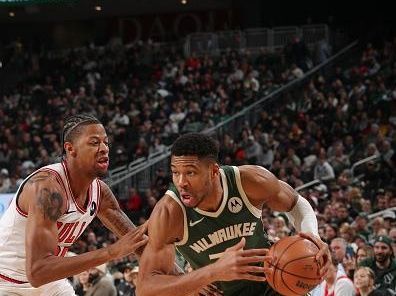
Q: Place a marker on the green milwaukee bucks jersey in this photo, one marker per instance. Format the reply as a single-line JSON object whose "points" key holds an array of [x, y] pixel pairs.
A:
{"points": [[208, 234]]}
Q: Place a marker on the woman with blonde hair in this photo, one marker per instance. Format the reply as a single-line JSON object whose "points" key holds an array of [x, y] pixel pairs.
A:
{"points": [[364, 281]]}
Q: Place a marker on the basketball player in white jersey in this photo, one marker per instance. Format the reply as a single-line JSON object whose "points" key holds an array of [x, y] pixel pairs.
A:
{"points": [[50, 210]]}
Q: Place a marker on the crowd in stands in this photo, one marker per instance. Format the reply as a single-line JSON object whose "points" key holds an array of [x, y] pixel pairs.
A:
{"points": [[146, 96]]}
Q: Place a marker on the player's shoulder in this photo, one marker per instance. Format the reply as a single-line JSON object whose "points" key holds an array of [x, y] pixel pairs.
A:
{"points": [[166, 220], [167, 212], [253, 170], [104, 188], [43, 191], [169, 205], [256, 174], [42, 179]]}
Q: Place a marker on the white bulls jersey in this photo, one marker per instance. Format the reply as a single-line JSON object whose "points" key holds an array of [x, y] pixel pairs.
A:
{"points": [[70, 225]]}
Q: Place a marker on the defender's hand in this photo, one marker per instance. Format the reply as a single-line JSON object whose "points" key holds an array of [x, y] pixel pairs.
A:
{"points": [[131, 242]]}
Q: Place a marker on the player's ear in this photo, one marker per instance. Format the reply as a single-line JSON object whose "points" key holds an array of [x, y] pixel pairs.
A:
{"points": [[215, 169], [69, 149]]}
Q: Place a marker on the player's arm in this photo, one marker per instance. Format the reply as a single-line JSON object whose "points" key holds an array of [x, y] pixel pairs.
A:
{"points": [[46, 202], [156, 272], [157, 275], [110, 213], [262, 187]]}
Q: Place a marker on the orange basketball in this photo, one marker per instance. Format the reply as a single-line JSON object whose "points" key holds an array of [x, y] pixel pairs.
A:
{"points": [[295, 270]]}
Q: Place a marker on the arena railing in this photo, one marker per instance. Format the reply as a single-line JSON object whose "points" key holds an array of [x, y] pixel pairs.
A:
{"points": [[254, 39], [362, 162], [354, 179], [140, 174]]}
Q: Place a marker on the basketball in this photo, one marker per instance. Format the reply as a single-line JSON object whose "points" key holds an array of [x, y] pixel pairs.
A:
{"points": [[295, 271]]}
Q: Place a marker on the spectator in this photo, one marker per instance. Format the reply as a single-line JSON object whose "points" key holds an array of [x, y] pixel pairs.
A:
{"points": [[151, 202], [330, 232], [5, 182], [387, 152], [127, 285], [134, 203], [383, 264], [323, 170], [392, 235], [338, 248], [347, 232], [254, 151], [361, 225], [382, 200], [376, 225], [389, 218], [363, 253], [83, 283], [335, 283], [323, 51], [339, 161], [342, 214], [100, 283], [161, 181], [364, 281]]}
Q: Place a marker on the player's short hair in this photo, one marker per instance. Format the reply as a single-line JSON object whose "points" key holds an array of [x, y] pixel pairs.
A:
{"points": [[197, 144], [73, 125]]}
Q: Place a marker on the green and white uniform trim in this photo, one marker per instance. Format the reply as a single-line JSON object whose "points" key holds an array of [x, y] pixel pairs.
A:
{"points": [[208, 234]]}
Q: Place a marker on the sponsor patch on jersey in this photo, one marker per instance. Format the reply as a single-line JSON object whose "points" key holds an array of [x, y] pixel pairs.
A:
{"points": [[235, 204]]}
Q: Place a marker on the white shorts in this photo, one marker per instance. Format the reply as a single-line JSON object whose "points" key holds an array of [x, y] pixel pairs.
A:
{"points": [[56, 288]]}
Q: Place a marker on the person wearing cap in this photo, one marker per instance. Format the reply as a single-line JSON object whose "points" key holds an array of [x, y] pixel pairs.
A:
{"points": [[127, 285], [383, 264], [389, 218], [101, 284]]}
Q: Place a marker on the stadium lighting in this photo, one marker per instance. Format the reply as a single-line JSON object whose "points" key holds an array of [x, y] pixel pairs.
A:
{"points": [[184, 2], [11, 14], [98, 8]]}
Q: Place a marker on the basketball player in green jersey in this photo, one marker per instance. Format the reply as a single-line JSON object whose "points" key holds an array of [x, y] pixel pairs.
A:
{"points": [[212, 216]]}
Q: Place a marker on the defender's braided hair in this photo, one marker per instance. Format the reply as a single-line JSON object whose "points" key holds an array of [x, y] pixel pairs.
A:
{"points": [[72, 127]]}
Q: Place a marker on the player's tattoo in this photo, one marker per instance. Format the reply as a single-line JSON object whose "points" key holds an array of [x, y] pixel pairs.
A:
{"points": [[50, 203], [111, 214], [39, 177]]}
